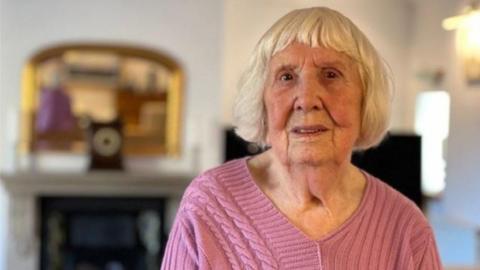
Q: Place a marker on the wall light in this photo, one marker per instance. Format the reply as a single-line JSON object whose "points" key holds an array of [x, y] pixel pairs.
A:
{"points": [[467, 25]]}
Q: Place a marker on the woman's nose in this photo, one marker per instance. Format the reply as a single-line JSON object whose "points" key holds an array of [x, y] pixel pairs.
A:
{"points": [[308, 97]]}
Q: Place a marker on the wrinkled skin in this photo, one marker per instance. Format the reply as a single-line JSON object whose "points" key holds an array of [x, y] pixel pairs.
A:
{"points": [[313, 101]]}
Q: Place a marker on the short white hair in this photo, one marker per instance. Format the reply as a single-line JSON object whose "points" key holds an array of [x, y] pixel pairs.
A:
{"points": [[318, 26]]}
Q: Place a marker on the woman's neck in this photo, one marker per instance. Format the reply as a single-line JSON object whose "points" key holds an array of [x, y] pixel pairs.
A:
{"points": [[329, 186]]}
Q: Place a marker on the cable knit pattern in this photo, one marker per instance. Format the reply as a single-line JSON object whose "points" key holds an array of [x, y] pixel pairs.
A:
{"points": [[226, 222]]}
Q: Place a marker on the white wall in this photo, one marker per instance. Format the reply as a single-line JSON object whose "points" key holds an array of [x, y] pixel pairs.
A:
{"points": [[189, 30], [3, 196], [433, 47], [386, 24], [462, 198]]}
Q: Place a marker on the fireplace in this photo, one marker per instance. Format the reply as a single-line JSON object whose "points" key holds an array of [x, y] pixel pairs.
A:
{"points": [[79, 233], [90, 221]]}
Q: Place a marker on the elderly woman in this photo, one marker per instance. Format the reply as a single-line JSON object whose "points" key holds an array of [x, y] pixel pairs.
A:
{"points": [[315, 90]]}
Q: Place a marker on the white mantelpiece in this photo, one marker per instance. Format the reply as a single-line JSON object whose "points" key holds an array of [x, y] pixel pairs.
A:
{"points": [[24, 189], [95, 183]]}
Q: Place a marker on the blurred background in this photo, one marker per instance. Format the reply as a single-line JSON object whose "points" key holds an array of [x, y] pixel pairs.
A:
{"points": [[109, 108]]}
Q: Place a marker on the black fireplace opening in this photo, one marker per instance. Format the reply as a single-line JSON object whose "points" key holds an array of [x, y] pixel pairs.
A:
{"points": [[97, 233]]}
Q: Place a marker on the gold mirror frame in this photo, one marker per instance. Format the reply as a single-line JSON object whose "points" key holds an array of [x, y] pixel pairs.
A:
{"points": [[31, 88]]}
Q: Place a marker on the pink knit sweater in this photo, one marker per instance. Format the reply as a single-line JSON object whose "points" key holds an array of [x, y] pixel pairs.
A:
{"points": [[226, 222]]}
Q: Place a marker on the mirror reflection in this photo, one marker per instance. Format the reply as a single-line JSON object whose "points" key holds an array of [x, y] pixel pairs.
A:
{"points": [[70, 87]]}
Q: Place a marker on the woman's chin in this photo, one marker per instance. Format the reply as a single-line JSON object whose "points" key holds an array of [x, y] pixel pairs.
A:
{"points": [[310, 158]]}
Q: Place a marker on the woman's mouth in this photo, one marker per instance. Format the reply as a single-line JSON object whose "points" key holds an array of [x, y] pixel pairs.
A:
{"points": [[309, 130]]}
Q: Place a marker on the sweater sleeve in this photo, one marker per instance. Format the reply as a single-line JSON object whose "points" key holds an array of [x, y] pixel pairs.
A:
{"points": [[180, 252], [431, 258]]}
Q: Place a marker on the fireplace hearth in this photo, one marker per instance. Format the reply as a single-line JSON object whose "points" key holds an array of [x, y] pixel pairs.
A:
{"points": [[101, 233]]}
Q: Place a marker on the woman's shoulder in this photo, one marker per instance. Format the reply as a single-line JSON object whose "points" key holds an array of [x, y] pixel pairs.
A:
{"points": [[221, 181], [395, 206], [224, 174], [399, 220]]}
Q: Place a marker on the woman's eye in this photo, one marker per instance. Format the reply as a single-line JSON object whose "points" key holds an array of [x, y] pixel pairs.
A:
{"points": [[331, 74], [286, 77]]}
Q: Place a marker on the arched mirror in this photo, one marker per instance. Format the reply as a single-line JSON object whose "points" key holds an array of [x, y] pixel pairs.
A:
{"points": [[66, 88]]}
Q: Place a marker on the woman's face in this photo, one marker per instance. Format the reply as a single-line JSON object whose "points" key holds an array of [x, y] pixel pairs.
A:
{"points": [[313, 100]]}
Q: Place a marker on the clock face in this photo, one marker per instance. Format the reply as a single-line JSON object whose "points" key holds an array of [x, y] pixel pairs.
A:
{"points": [[107, 141]]}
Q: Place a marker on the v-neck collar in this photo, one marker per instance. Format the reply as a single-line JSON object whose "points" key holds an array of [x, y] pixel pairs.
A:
{"points": [[285, 225]]}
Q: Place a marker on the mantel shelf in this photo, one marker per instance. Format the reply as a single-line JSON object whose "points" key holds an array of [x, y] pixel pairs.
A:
{"points": [[95, 184]]}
